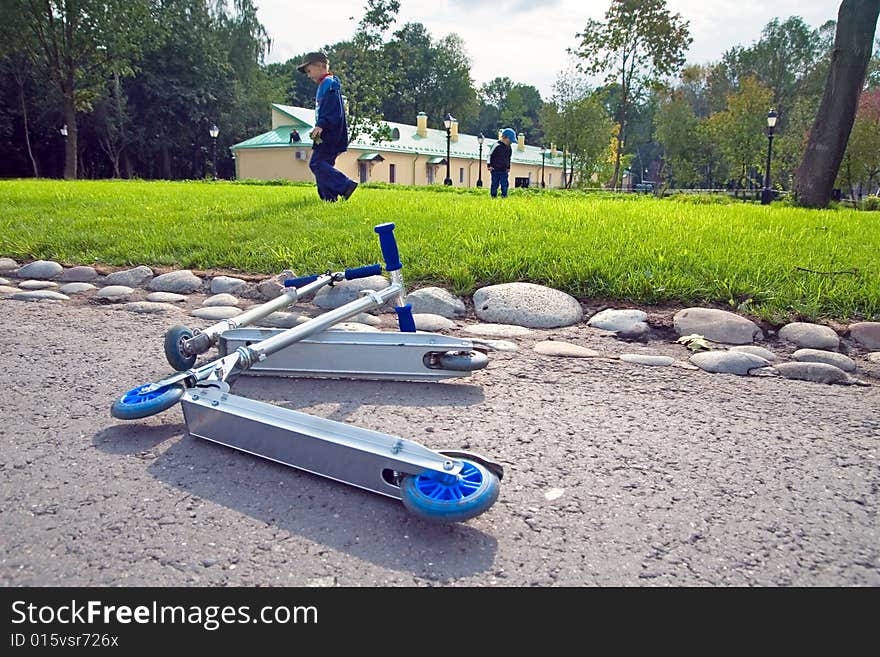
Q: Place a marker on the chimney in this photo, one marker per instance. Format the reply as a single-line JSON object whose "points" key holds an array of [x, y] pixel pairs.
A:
{"points": [[453, 131], [552, 149], [422, 124], [520, 142]]}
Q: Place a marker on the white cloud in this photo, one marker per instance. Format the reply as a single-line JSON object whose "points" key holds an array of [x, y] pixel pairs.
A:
{"points": [[525, 40]]}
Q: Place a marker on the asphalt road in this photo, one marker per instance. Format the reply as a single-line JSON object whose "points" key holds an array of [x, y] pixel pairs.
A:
{"points": [[615, 474]]}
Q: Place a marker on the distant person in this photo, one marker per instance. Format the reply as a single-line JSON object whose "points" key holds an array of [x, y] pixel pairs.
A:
{"points": [[499, 163], [294, 136], [330, 134]]}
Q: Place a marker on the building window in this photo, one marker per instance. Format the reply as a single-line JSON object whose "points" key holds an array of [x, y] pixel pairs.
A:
{"points": [[392, 173], [549, 180], [461, 175], [430, 174]]}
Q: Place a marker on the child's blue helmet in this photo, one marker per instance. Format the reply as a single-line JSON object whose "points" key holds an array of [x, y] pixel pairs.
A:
{"points": [[510, 133]]}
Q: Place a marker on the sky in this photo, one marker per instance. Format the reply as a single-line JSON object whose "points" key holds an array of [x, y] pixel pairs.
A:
{"points": [[526, 40]]}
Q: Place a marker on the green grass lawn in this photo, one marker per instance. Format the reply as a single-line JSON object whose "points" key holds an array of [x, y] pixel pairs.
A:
{"points": [[632, 249]]}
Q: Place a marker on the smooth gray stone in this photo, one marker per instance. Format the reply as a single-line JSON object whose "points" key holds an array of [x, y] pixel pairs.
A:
{"points": [[873, 357], [367, 318], [8, 289], [498, 330], [166, 297], [866, 334], [766, 354], [3, 281], [728, 362], [148, 307], [428, 322], [8, 264], [495, 345], [269, 289], [40, 295], [845, 363], [37, 285], [222, 299], [564, 349], [182, 282], [41, 269], [816, 372], [627, 323], [137, 277], [810, 336], [647, 359], [328, 298], [79, 274], [526, 304], [716, 325], [435, 301], [114, 292], [216, 312], [76, 288], [226, 284], [281, 320]]}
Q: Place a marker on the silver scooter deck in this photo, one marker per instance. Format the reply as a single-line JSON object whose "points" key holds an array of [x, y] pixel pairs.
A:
{"points": [[358, 355], [352, 455]]}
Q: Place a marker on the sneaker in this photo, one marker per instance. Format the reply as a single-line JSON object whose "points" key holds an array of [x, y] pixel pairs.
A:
{"points": [[348, 192]]}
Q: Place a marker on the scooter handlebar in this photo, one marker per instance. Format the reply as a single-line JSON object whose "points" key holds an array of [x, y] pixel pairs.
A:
{"points": [[300, 282], [363, 272], [389, 246]]}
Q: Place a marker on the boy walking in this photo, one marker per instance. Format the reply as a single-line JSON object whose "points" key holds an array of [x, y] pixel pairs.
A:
{"points": [[499, 162], [330, 134]]}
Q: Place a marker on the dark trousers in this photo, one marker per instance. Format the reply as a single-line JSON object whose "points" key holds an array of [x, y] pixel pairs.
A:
{"points": [[332, 183], [499, 178]]}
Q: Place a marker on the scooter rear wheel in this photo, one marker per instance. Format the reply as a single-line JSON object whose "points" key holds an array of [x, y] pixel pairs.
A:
{"points": [[177, 356], [135, 404], [450, 498]]}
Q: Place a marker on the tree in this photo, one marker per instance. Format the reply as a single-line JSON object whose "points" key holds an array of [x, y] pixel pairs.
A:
{"points": [[862, 157], [683, 150], [739, 130], [576, 121], [853, 43], [639, 42], [81, 42]]}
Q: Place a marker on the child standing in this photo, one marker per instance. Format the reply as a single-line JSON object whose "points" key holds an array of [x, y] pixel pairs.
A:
{"points": [[499, 162], [330, 134]]}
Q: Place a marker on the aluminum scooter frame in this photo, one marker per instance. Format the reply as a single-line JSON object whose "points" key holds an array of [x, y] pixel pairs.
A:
{"points": [[360, 457]]}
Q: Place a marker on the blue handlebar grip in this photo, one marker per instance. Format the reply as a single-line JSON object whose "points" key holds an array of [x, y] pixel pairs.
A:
{"points": [[363, 272], [405, 318], [299, 282], [389, 246]]}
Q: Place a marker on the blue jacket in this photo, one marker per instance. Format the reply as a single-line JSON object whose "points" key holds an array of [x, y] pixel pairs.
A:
{"points": [[330, 116]]}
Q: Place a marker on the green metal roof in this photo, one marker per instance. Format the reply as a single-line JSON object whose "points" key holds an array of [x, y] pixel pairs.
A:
{"points": [[372, 156], [436, 160], [433, 145]]}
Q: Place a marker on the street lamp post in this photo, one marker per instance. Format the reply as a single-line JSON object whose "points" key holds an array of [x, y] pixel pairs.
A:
{"points": [[480, 169], [63, 131], [214, 131], [447, 121], [767, 193], [543, 155]]}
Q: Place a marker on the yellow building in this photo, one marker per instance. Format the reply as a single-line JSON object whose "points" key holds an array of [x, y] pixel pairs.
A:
{"points": [[415, 155]]}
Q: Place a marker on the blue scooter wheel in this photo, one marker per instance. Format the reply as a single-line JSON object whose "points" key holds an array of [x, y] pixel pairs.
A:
{"points": [[452, 498], [133, 405], [177, 357]]}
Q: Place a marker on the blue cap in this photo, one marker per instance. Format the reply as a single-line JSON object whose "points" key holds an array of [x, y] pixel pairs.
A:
{"points": [[509, 133]]}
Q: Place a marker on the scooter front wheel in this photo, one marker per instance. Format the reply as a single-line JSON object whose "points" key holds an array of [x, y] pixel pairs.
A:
{"points": [[450, 498], [178, 357], [136, 404]]}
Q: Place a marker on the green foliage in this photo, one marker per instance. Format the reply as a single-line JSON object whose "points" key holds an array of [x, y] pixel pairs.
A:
{"points": [[871, 203]]}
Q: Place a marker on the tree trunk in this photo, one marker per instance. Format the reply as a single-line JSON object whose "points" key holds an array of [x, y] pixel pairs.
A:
{"points": [[27, 137], [853, 43]]}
